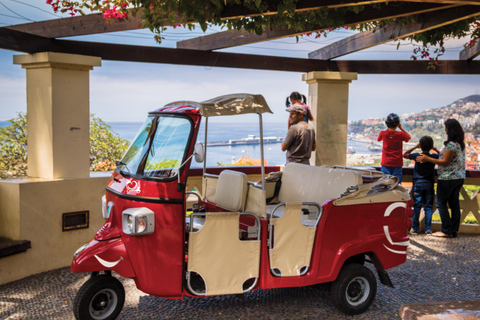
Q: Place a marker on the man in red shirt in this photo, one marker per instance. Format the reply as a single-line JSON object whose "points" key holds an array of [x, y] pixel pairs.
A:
{"points": [[392, 159]]}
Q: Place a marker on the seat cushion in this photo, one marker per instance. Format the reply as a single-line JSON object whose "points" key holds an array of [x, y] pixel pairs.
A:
{"points": [[231, 192], [306, 183]]}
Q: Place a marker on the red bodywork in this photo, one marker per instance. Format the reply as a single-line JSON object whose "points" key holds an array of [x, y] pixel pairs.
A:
{"points": [[157, 262]]}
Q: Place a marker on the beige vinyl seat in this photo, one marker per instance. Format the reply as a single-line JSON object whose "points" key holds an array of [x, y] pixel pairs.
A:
{"points": [[231, 192], [228, 191], [292, 232], [226, 264]]}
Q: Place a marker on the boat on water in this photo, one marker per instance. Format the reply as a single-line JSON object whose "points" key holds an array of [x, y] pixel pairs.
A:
{"points": [[351, 150], [374, 148], [251, 139]]}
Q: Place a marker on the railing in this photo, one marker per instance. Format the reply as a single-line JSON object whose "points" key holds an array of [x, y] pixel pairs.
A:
{"points": [[470, 204]]}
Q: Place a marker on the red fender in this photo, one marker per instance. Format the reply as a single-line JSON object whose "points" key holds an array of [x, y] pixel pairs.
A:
{"points": [[104, 255]]}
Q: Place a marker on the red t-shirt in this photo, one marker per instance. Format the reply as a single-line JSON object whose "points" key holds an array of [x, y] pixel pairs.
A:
{"points": [[392, 147]]}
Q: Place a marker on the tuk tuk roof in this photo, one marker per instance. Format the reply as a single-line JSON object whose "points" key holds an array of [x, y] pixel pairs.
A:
{"points": [[230, 104]]}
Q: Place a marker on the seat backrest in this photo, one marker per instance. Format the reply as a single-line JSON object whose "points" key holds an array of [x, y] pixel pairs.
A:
{"points": [[306, 183], [231, 192]]}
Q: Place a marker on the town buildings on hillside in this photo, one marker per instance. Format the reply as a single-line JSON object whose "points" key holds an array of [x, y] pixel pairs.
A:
{"points": [[466, 111]]}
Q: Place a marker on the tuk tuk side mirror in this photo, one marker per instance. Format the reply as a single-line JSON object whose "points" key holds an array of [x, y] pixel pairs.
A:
{"points": [[199, 152]]}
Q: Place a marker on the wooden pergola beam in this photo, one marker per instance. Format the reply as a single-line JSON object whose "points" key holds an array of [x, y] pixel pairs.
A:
{"points": [[393, 32], [18, 41], [470, 53], [227, 39], [456, 2], [95, 23], [76, 26]]}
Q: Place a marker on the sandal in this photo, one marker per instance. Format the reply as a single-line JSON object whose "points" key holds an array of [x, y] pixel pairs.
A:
{"points": [[441, 235]]}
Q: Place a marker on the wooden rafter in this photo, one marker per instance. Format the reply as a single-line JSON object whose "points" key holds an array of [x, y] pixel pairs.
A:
{"points": [[76, 26], [14, 40], [457, 2], [95, 23], [393, 32], [470, 53], [229, 39]]}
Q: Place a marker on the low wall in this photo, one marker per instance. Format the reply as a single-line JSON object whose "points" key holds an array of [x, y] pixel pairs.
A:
{"points": [[31, 209]]}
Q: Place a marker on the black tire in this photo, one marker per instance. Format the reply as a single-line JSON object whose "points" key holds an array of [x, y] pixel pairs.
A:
{"points": [[100, 298], [354, 290]]}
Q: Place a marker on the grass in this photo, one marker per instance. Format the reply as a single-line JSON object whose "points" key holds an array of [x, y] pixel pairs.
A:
{"points": [[469, 219]]}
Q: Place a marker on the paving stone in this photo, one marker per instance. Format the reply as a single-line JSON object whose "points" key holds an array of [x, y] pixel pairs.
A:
{"points": [[437, 271]]}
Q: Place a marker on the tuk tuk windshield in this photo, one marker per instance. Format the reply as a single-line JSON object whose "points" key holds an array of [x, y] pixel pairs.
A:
{"points": [[158, 148]]}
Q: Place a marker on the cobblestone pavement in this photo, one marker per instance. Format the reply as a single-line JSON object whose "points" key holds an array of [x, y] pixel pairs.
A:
{"points": [[436, 270]]}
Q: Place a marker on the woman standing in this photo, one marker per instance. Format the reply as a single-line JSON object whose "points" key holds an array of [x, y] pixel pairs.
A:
{"points": [[451, 174], [298, 98]]}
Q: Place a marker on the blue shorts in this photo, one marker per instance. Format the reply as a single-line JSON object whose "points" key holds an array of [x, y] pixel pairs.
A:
{"points": [[394, 171]]}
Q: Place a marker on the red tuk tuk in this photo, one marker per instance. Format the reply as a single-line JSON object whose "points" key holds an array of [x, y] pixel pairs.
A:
{"points": [[320, 225]]}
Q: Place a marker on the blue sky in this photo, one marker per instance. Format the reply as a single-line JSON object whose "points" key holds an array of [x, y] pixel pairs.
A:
{"points": [[123, 91]]}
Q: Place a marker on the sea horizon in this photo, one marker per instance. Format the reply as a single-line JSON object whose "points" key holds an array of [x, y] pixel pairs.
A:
{"points": [[229, 154]]}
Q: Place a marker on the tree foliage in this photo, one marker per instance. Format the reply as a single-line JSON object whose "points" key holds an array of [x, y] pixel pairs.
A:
{"points": [[13, 148], [105, 147], [157, 14]]}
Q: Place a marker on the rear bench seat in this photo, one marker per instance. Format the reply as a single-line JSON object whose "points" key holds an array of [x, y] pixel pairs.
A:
{"points": [[304, 183], [293, 233]]}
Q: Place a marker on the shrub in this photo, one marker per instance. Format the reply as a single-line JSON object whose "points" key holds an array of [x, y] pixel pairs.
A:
{"points": [[105, 147], [13, 148]]}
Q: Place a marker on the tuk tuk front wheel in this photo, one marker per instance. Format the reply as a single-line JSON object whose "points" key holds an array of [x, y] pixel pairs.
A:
{"points": [[354, 289], [100, 298]]}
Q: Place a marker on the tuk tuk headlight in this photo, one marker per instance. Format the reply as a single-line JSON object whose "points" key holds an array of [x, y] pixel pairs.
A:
{"points": [[130, 223], [138, 221]]}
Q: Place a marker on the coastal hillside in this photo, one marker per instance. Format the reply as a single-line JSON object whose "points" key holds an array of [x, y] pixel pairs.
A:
{"points": [[465, 110], [472, 98], [430, 122]]}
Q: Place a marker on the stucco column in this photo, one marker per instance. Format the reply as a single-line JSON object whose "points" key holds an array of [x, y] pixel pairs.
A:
{"points": [[58, 113], [328, 99]]}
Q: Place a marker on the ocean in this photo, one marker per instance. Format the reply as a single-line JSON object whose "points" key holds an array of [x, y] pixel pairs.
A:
{"points": [[222, 131], [226, 131]]}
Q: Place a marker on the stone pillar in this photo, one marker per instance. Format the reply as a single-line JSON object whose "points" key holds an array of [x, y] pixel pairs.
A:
{"points": [[58, 113], [328, 99]]}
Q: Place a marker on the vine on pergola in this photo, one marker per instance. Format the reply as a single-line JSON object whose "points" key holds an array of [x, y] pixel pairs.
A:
{"points": [[158, 14]]}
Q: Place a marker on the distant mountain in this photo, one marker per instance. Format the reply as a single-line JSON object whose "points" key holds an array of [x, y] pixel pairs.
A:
{"points": [[472, 98], [456, 107]]}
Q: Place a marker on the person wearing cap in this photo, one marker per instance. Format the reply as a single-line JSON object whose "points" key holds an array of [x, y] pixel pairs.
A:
{"points": [[392, 151], [300, 140], [297, 98]]}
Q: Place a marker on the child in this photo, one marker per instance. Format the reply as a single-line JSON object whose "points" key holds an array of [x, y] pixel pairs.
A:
{"points": [[392, 161], [423, 180], [297, 98]]}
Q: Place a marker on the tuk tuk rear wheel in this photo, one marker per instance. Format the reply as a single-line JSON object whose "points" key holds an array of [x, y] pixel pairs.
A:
{"points": [[354, 289], [100, 298]]}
